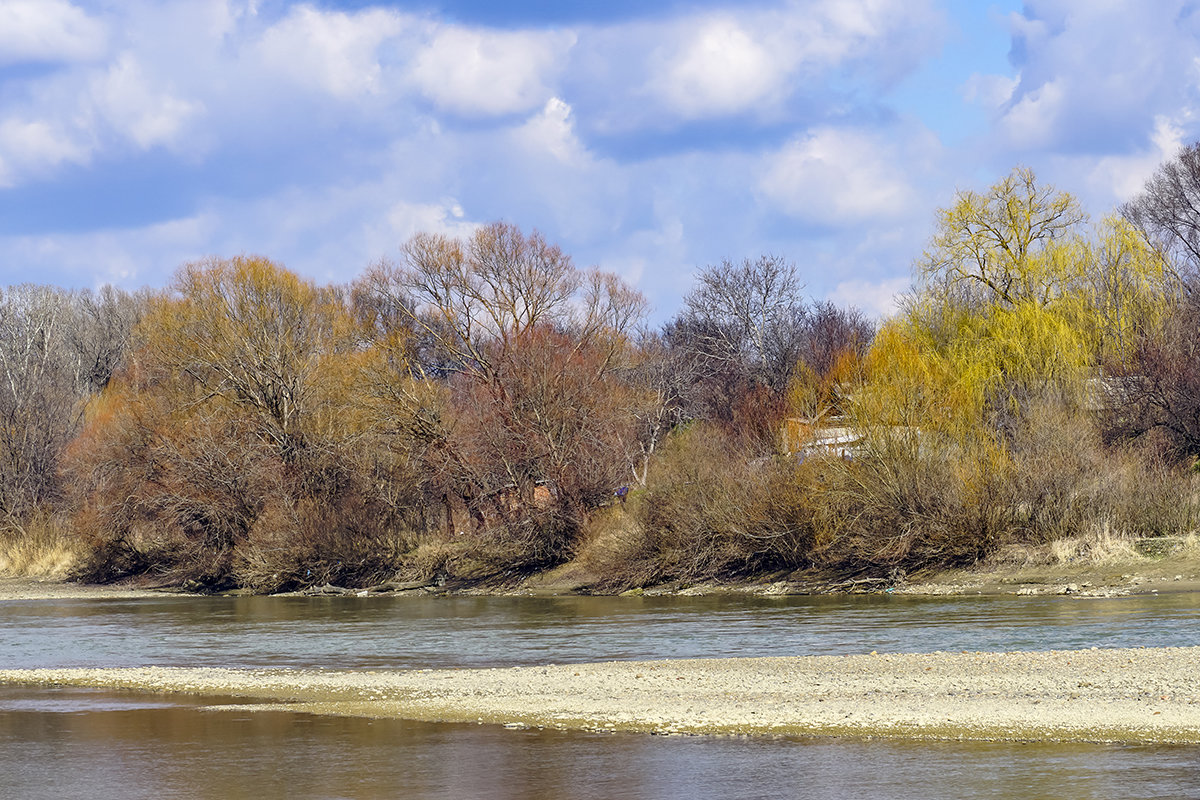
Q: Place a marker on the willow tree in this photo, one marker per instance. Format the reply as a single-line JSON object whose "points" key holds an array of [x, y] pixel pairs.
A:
{"points": [[1018, 308]]}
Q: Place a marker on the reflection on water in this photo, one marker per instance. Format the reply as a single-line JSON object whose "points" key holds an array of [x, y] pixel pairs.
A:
{"points": [[484, 631], [117, 746], [65, 743]]}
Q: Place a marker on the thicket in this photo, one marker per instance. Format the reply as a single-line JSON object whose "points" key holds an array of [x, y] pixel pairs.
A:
{"points": [[482, 409]]}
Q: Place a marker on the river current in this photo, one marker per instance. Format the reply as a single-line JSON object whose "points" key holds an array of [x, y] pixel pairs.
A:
{"points": [[98, 745]]}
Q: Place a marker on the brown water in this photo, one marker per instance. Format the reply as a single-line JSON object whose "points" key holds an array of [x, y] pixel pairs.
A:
{"points": [[98, 745]]}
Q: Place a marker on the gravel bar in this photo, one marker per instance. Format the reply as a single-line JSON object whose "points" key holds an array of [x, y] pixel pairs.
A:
{"points": [[1112, 695]]}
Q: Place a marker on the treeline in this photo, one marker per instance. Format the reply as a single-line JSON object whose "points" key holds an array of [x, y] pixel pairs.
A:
{"points": [[483, 409]]}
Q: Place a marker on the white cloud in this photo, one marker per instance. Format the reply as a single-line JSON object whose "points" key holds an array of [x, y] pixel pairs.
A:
{"points": [[331, 50], [1034, 119], [839, 176], [553, 131], [1120, 177], [874, 298], [30, 147], [446, 218], [129, 257], [47, 30], [481, 73], [1093, 76], [325, 138], [719, 65], [721, 70], [131, 104], [990, 91]]}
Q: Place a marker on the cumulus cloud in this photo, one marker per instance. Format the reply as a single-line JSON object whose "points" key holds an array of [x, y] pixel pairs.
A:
{"points": [[1092, 77], [553, 131], [719, 64], [990, 91], [721, 70], [129, 257], [131, 103], [840, 176], [47, 30], [1115, 178], [325, 137], [331, 50], [480, 73], [446, 217]]}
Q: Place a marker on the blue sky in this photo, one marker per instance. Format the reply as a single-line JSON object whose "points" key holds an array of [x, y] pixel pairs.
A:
{"points": [[647, 139]]}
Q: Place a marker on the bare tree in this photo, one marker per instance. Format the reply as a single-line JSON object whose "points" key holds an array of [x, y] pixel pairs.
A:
{"points": [[1168, 209], [527, 351], [39, 404], [749, 314], [56, 348]]}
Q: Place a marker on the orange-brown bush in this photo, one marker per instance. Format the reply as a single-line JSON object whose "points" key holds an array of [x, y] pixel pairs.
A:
{"points": [[230, 452]]}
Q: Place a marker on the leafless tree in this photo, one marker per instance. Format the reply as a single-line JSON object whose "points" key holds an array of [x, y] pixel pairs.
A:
{"points": [[502, 366], [749, 314], [1168, 209], [56, 348], [1162, 393]]}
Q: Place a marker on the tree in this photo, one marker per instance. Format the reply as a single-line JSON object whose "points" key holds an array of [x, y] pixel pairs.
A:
{"points": [[1167, 210], [500, 360], [56, 348], [1007, 246], [233, 448], [1163, 394], [252, 336], [39, 399], [750, 315]]}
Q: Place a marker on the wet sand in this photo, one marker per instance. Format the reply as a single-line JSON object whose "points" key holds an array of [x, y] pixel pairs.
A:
{"points": [[1118, 695]]}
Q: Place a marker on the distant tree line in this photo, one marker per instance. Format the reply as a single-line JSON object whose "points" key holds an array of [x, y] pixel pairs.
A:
{"points": [[468, 412]]}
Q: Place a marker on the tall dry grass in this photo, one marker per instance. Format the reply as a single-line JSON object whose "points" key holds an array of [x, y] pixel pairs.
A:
{"points": [[41, 547]]}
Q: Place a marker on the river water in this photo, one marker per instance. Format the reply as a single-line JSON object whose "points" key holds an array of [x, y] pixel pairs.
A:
{"points": [[97, 745]]}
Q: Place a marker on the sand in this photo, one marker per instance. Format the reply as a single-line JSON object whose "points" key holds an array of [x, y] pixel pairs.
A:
{"points": [[1117, 695], [55, 589]]}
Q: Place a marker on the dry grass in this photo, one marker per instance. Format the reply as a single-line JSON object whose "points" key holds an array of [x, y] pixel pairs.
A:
{"points": [[39, 549], [1100, 547]]}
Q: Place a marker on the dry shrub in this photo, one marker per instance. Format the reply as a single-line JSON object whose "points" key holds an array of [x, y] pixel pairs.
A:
{"points": [[307, 543], [912, 500], [1071, 486], [709, 511], [1100, 546], [462, 558], [917, 500]]}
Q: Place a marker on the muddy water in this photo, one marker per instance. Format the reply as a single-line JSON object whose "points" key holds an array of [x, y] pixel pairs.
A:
{"points": [[98, 745]]}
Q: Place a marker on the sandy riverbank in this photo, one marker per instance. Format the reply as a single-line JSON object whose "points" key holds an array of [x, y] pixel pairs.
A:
{"points": [[1142, 695], [55, 589]]}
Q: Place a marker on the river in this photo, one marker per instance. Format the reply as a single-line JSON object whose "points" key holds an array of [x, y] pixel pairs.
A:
{"points": [[99, 745]]}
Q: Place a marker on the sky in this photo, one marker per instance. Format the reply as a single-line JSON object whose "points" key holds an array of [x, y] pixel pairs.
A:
{"points": [[648, 139]]}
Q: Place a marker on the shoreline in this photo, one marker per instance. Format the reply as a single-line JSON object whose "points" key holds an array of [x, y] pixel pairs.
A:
{"points": [[1119, 695], [1173, 568], [24, 588]]}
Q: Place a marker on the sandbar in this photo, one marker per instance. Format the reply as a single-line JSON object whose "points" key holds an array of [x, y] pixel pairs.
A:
{"points": [[1099, 695]]}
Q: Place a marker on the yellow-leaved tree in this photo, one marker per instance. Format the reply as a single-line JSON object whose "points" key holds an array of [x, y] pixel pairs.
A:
{"points": [[1016, 313]]}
